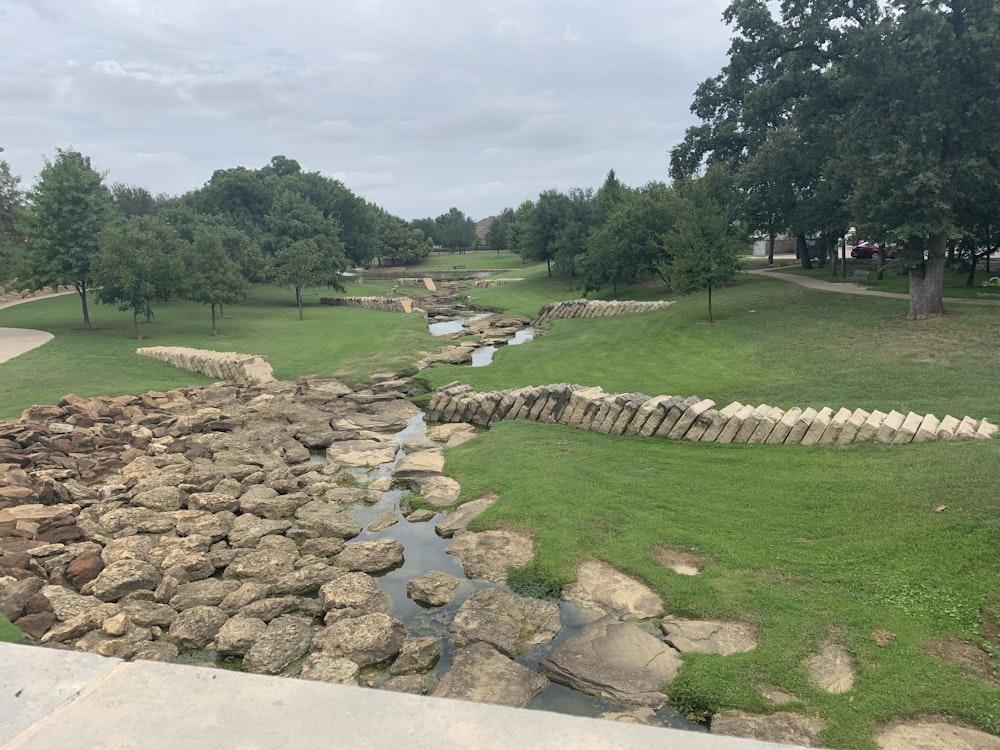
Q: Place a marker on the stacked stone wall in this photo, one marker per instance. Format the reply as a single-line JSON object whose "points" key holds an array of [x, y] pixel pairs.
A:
{"points": [[421, 282], [585, 308], [487, 283], [244, 369], [386, 304], [694, 418]]}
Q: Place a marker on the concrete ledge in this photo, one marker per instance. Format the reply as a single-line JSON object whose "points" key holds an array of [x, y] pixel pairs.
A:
{"points": [[695, 419], [73, 701]]}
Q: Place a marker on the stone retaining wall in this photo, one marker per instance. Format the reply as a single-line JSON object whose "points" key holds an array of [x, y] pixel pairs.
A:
{"points": [[585, 308], [694, 418], [386, 304], [244, 369], [423, 282], [487, 283]]}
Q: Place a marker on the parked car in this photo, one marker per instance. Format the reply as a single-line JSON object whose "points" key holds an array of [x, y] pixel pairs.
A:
{"points": [[865, 250]]}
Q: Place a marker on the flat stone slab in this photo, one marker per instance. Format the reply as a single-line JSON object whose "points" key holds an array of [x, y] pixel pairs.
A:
{"points": [[488, 555], [709, 636], [832, 669], [793, 729], [933, 735], [481, 673], [363, 453], [616, 660], [419, 464], [505, 620], [459, 518], [603, 587], [437, 490]]}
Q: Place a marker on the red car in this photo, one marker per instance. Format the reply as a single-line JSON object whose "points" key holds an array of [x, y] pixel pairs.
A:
{"points": [[865, 251]]}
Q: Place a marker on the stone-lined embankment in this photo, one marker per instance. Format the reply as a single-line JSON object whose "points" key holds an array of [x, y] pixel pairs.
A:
{"points": [[488, 283], [585, 308], [386, 304], [245, 369], [694, 418]]}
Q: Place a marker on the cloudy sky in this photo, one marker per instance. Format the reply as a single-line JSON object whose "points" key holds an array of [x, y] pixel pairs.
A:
{"points": [[417, 105]]}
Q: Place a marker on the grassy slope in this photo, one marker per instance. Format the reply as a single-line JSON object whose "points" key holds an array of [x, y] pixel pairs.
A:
{"points": [[807, 544]]}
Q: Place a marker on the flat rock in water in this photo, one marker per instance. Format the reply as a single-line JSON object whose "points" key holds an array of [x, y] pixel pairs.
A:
{"points": [[789, 728], [617, 660], [437, 491], [458, 519], [507, 621], [708, 636], [602, 587], [433, 589], [363, 453], [488, 555], [352, 595], [933, 735], [365, 640], [481, 673], [372, 557], [419, 464], [383, 522], [831, 669], [333, 669], [286, 639]]}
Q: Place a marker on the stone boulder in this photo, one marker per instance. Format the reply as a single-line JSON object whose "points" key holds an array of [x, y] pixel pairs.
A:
{"points": [[481, 673], [489, 554], [352, 595], [458, 519], [286, 639], [417, 655], [933, 735], [326, 519], [616, 660], [507, 621], [606, 589], [433, 589], [238, 634], [375, 556], [708, 636], [196, 627], [361, 453], [207, 593], [124, 577], [333, 669], [366, 640], [783, 727], [832, 669]]}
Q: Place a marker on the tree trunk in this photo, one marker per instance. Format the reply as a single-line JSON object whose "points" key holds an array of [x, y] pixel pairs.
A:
{"points": [[710, 304], [770, 248], [135, 323], [843, 256], [213, 320], [222, 310], [802, 250], [298, 301], [926, 277], [81, 289]]}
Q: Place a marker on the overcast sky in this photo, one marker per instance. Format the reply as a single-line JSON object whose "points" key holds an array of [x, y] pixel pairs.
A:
{"points": [[416, 105]]}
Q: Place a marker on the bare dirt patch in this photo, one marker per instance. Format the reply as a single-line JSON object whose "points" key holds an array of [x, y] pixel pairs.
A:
{"points": [[932, 734], [680, 561], [972, 658]]}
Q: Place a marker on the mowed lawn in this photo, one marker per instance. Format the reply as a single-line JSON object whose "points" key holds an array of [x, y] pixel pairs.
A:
{"points": [[809, 545]]}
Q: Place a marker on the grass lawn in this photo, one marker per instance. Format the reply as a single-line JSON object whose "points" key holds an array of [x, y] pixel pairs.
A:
{"points": [[894, 279], [9, 633], [809, 545]]}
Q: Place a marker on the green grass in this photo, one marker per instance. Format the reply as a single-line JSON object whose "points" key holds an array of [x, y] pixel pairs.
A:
{"points": [[9, 633], [894, 279], [807, 544], [473, 260]]}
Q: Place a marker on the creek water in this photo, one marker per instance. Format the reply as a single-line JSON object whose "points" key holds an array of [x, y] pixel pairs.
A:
{"points": [[482, 355], [424, 551]]}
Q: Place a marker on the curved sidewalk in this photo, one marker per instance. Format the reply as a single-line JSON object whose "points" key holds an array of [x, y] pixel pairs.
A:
{"points": [[846, 287], [16, 341]]}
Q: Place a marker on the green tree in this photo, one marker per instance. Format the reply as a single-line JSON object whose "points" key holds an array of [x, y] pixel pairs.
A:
{"points": [[132, 200], [214, 277], [134, 268], [704, 246], [70, 207], [454, 230], [12, 208]]}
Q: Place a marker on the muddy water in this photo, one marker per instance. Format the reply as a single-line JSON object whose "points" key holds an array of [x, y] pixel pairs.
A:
{"points": [[424, 551], [483, 355]]}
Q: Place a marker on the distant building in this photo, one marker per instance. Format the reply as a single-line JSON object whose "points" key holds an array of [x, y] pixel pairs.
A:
{"points": [[483, 226]]}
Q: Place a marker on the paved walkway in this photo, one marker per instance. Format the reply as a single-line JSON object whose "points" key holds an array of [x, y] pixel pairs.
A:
{"points": [[847, 287], [16, 341]]}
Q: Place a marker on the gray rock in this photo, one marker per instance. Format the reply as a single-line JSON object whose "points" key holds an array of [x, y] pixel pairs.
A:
{"points": [[286, 639], [414, 684], [606, 589], [265, 502], [264, 564], [372, 557], [205, 593], [419, 516], [129, 548], [437, 491], [196, 627], [352, 595], [123, 577], [417, 655], [784, 727], [363, 453], [80, 624], [832, 669], [215, 502], [306, 580], [248, 529], [162, 651], [507, 621], [383, 522], [421, 464], [149, 614], [248, 592], [433, 589], [458, 519], [326, 548], [138, 519], [332, 669], [215, 526], [67, 604], [708, 636], [489, 554], [272, 607], [366, 640], [327, 519], [616, 660], [933, 735], [238, 634], [481, 673], [164, 498]]}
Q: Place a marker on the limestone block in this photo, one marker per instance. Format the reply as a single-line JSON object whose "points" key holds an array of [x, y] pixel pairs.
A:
{"points": [[766, 426], [819, 424], [503, 408], [850, 431], [867, 431], [701, 424], [986, 430], [836, 426], [578, 402], [908, 429], [889, 427], [721, 420], [801, 426], [784, 426], [688, 418], [927, 431], [966, 429], [751, 423], [628, 413], [735, 424], [643, 414], [674, 413], [947, 428]]}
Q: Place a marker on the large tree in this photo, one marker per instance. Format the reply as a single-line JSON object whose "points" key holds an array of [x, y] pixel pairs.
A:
{"points": [[70, 206], [213, 276], [12, 206]]}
